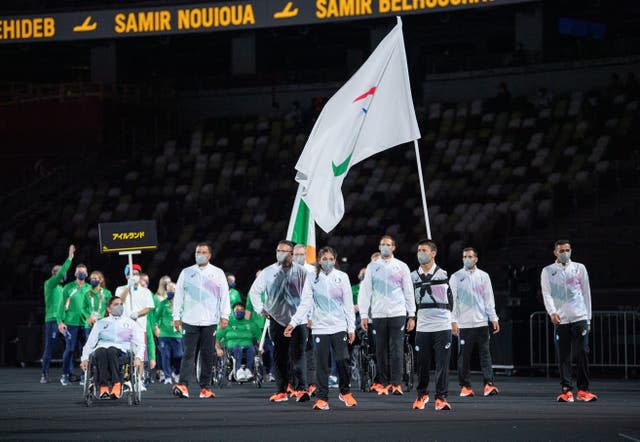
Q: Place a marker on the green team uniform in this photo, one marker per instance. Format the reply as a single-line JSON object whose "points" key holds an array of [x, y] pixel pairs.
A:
{"points": [[53, 293], [71, 311], [96, 301]]}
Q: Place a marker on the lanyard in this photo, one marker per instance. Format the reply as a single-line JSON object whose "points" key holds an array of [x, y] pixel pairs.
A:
{"points": [[93, 307]]}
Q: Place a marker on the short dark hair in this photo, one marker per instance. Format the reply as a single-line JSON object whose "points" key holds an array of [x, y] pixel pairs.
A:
{"points": [[429, 243], [288, 243], [561, 242], [237, 304], [393, 241], [82, 265], [205, 244], [112, 300], [470, 249]]}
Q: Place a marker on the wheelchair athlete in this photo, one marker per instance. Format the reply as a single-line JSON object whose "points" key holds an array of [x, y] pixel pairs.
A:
{"points": [[110, 339]]}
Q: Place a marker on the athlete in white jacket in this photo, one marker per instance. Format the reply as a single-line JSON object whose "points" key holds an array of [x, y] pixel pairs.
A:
{"points": [[567, 298], [327, 293], [475, 308], [388, 290], [201, 303]]}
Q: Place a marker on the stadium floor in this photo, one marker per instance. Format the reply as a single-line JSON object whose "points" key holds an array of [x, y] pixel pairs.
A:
{"points": [[525, 410]]}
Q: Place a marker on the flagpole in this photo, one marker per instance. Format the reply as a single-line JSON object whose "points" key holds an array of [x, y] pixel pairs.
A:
{"points": [[422, 190]]}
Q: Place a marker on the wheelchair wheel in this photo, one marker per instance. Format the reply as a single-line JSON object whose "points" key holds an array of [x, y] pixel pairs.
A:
{"points": [[87, 386], [354, 366], [220, 371], [258, 371], [408, 368]]}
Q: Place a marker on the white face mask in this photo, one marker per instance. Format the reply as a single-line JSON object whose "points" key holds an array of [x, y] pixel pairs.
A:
{"points": [[136, 279], [424, 258], [201, 259], [564, 257], [281, 257], [468, 263], [385, 251], [117, 310], [299, 259]]}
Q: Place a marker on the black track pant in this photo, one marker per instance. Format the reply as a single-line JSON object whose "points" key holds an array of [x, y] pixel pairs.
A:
{"points": [[108, 366], [437, 344], [197, 337], [289, 351], [389, 336], [468, 339], [574, 338], [325, 346]]}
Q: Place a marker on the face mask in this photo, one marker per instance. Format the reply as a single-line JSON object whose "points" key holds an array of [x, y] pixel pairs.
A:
{"points": [[81, 276], [94, 283], [201, 259], [136, 279], [468, 263], [281, 257], [385, 251], [170, 295], [239, 315], [117, 310], [299, 259], [424, 258], [564, 257], [327, 266], [232, 285]]}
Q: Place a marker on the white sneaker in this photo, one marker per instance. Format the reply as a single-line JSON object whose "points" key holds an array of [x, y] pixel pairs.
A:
{"points": [[176, 378], [240, 375], [248, 374]]}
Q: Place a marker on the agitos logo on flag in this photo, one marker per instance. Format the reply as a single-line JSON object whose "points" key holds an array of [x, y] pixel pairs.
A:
{"points": [[372, 112]]}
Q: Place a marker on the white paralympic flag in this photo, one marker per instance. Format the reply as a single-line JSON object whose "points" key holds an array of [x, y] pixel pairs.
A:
{"points": [[372, 112]]}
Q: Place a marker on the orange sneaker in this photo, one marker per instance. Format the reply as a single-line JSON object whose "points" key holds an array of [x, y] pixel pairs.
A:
{"points": [[396, 390], [376, 388], [207, 393], [321, 405], [279, 397], [420, 402], [565, 396], [586, 396], [116, 390], [290, 390], [180, 390], [442, 404], [312, 390], [490, 390], [467, 392], [348, 399], [104, 392]]}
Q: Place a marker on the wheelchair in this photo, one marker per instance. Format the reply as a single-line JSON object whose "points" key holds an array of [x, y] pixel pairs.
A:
{"points": [[408, 364], [364, 361], [131, 386], [232, 366]]}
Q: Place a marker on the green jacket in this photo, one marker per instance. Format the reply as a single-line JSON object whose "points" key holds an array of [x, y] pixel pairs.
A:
{"points": [[71, 310], [164, 320], [239, 333], [96, 301], [355, 291], [53, 293]]}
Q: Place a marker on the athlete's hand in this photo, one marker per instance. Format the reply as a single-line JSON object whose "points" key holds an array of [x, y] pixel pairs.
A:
{"points": [[364, 324], [352, 337], [224, 323], [72, 251], [288, 331], [152, 364], [411, 324], [62, 328], [177, 324], [555, 318], [84, 365], [454, 329], [496, 327]]}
